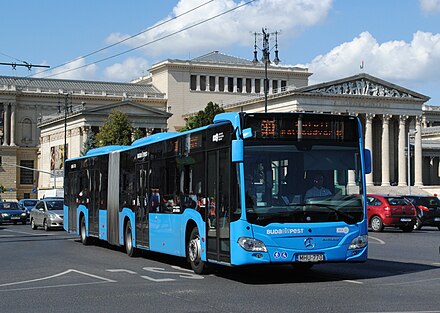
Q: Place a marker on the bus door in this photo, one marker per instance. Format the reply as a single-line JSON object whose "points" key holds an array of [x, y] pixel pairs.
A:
{"points": [[92, 202], [218, 209], [142, 227]]}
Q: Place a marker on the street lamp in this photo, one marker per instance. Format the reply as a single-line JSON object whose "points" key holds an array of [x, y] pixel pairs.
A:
{"points": [[265, 59], [66, 110], [410, 132]]}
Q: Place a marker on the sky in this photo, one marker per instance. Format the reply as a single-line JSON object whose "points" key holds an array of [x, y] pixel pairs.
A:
{"points": [[113, 40]]}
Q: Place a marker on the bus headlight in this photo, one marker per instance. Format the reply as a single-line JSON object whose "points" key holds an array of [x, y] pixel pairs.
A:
{"points": [[252, 244], [359, 242]]}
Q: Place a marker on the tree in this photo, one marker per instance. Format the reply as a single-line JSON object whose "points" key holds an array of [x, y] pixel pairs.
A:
{"points": [[89, 143], [137, 134], [203, 117], [117, 130]]}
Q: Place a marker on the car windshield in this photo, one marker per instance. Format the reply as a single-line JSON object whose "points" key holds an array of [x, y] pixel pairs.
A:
{"points": [[54, 205], [396, 201], [430, 201], [8, 206], [29, 202], [291, 183]]}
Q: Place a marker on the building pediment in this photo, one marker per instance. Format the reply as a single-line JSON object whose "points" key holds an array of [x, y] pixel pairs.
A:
{"points": [[128, 107], [363, 85]]}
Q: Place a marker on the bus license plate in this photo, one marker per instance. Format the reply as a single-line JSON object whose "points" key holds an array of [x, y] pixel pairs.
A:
{"points": [[310, 257], [405, 220]]}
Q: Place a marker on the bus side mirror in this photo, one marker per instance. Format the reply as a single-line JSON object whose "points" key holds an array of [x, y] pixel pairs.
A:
{"points": [[237, 150], [367, 159], [247, 133]]}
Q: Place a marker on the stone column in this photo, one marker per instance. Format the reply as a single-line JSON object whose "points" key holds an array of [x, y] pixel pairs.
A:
{"points": [[252, 85], [418, 181], [6, 125], [386, 150], [216, 84], [401, 150], [13, 105], [369, 143], [198, 82], [234, 84]]}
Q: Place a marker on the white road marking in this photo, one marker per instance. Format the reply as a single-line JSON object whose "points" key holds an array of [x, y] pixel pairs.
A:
{"points": [[121, 270], [402, 312], [377, 239], [353, 281], [54, 286], [158, 280], [26, 233], [58, 275], [190, 275]]}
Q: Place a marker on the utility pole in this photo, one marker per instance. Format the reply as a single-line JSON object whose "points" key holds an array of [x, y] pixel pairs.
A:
{"points": [[67, 107], [266, 57]]}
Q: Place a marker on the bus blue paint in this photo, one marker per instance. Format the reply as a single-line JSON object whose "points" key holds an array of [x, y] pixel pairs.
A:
{"points": [[218, 195], [125, 214], [82, 210], [65, 217], [103, 228]]}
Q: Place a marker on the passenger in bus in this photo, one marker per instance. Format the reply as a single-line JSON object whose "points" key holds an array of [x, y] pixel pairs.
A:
{"points": [[155, 200], [211, 213], [318, 189]]}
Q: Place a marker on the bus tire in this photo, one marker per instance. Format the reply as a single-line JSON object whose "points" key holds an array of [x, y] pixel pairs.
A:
{"points": [[83, 232], [128, 241], [194, 253]]}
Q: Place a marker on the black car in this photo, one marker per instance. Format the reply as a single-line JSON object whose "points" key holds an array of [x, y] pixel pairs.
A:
{"points": [[428, 210], [11, 213]]}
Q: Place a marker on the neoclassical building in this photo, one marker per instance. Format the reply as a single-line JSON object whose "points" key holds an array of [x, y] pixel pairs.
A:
{"points": [[33, 112], [33, 120]]}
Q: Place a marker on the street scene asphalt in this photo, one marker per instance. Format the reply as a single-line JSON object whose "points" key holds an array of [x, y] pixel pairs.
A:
{"points": [[53, 272]]}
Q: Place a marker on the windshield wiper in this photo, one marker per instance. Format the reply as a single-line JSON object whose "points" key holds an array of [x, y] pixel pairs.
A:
{"points": [[337, 211]]}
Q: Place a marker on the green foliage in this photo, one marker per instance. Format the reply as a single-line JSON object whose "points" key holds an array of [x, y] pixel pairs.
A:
{"points": [[90, 142], [204, 117], [2, 189], [116, 130], [137, 134]]}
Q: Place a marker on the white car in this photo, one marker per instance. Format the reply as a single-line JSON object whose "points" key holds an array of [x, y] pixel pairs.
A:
{"points": [[47, 213]]}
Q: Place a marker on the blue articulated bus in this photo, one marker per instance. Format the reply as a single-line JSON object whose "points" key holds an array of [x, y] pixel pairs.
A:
{"points": [[251, 188]]}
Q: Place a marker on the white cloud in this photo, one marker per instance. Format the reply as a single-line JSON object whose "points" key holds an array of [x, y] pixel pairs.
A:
{"points": [[130, 68], [229, 29], [430, 6], [74, 70], [397, 61]]}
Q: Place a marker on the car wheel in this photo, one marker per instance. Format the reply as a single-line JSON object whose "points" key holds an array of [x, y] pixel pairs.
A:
{"points": [[418, 224], [376, 224], [83, 232], [407, 228], [33, 225], [45, 225], [194, 253], [128, 239]]}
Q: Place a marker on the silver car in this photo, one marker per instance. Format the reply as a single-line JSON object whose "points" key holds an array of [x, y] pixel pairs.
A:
{"points": [[47, 213]]}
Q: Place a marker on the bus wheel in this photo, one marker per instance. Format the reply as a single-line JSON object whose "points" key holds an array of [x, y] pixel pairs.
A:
{"points": [[128, 239], [194, 253], [82, 231]]}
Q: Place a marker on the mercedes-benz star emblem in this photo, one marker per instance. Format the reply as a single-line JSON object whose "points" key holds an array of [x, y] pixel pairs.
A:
{"points": [[309, 243]]}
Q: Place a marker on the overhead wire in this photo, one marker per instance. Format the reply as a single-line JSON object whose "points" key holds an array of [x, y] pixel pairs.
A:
{"points": [[125, 39], [153, 41]]}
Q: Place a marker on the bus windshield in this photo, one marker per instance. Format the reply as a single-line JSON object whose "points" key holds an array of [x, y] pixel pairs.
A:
{"points": [[302, 183]]}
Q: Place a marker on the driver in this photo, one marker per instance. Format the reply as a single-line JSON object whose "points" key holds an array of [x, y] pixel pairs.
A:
{"points": [[318, 190]]}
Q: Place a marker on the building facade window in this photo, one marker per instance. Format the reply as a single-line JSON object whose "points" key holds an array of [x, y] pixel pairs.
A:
{"points": [[283, 85], [221, 84], [26, 131], [257, 86], [193, 82], [211, 83], [202, 82], [275, 86], [230, 84], [26, 176], [239, 84], [248, 85]]}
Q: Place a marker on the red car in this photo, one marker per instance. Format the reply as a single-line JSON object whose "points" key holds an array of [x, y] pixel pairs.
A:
{"points": [[390, 211]]}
